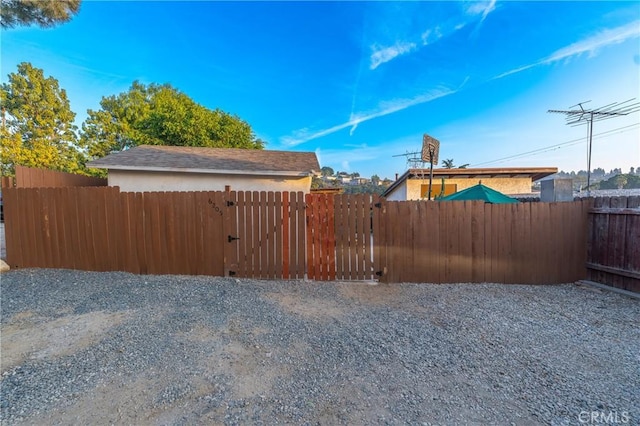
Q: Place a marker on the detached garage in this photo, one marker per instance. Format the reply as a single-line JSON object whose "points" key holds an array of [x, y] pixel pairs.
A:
{"points": [[173, 168]]}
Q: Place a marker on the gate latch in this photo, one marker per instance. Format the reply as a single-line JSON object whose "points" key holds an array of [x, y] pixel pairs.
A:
{"points": [[230, 238]]}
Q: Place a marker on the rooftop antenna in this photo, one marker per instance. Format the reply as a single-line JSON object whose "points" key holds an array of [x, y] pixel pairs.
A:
{"points": [[413, 159], [577, 117]]}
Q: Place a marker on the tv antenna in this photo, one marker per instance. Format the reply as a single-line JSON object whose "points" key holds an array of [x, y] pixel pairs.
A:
{"points": [[577, 117], [414, 161]]}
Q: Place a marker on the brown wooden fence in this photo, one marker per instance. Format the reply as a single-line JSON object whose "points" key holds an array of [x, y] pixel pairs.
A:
{"points": [[614, 242], [323, 237], [470, 241], [29, 177]]}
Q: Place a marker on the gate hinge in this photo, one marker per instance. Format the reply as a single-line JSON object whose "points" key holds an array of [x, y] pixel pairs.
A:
{"points": [[230, 203], [378, 205], [231, 238]]}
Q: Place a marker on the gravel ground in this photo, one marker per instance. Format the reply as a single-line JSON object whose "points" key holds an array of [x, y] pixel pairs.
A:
{"points": [[100, 348]]}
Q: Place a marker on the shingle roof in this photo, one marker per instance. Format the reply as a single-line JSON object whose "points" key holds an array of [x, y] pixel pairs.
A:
{"points": [[210, 160]]}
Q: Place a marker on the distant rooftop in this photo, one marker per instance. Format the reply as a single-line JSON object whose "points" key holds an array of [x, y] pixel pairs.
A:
{"points": [[535, 173]]}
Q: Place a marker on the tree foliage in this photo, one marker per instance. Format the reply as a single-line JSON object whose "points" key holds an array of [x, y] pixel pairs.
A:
{"points": [[620, 181], [45, 13], [38, 129], [161, 115]]}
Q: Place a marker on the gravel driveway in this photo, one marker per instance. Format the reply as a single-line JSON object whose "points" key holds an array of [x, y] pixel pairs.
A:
{"points": [[99, 348]]}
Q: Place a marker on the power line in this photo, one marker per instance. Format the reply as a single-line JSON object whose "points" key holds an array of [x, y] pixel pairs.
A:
{"points": [[558, 146]]}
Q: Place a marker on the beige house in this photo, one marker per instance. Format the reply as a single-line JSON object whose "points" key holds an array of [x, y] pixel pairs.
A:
{"points": [[175, 168], [414, 183]]}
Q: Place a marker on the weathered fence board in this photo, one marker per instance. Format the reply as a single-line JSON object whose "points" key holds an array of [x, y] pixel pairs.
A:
{"points": [[614, 242]]}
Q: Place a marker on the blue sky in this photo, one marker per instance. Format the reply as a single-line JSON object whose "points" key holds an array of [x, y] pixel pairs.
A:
{"points": [[360, 82]]}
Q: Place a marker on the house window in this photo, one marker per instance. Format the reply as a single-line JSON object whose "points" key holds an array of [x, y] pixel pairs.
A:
{"points": [[438, 190]]}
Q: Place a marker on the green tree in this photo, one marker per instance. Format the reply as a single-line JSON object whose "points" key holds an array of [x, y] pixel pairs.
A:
{"points": [[37, 129], [45, 13], [327, 171], [161, 115]]}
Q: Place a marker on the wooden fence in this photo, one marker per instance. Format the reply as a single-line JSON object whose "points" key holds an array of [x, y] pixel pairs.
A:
{"points": [[614, 242], [470, 241], [29, 177], [322, 237]]}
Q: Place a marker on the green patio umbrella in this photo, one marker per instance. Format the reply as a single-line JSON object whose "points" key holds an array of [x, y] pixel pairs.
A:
{"points": [[481, 193]]}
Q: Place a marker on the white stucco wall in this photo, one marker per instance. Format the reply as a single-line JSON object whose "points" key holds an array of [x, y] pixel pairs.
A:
{"points": [[399, 194], [410, 189], [146, 181]]}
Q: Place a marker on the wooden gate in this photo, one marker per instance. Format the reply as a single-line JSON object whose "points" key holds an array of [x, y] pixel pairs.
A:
{"points": [[264, 234], [341, 233]]}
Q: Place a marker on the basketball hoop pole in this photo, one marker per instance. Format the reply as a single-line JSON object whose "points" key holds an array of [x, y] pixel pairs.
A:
{"points": [[431, 154]]}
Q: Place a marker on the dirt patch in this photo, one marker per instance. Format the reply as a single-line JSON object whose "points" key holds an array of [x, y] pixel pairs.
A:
{"points": [[27, 336], [308, 307]]}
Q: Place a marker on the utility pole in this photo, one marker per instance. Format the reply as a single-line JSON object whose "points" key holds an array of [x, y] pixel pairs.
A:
{"points": [[577, 117]]}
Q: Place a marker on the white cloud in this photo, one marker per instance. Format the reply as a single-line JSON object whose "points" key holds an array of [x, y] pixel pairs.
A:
{"points": [[593, 43], [385, 54], [589, 45], [386, 108], [483, 8]]}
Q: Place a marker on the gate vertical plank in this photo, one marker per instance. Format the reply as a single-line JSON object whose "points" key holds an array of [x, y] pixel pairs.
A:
{"points": [[264, 259], [270, 234], [341, 224], [241, 233], [192, 231], [279, 237], [258, 262], [286, 219], [367, 234], [251, 263], [375, 236], [316, 205], [353, 237], [200, 218], [231, 204], [331, 234], [293, 235], [310, 225], [301, 228]]}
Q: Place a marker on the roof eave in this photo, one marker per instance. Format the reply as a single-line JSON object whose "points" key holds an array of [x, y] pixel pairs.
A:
{"points": [[292, 173]]}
